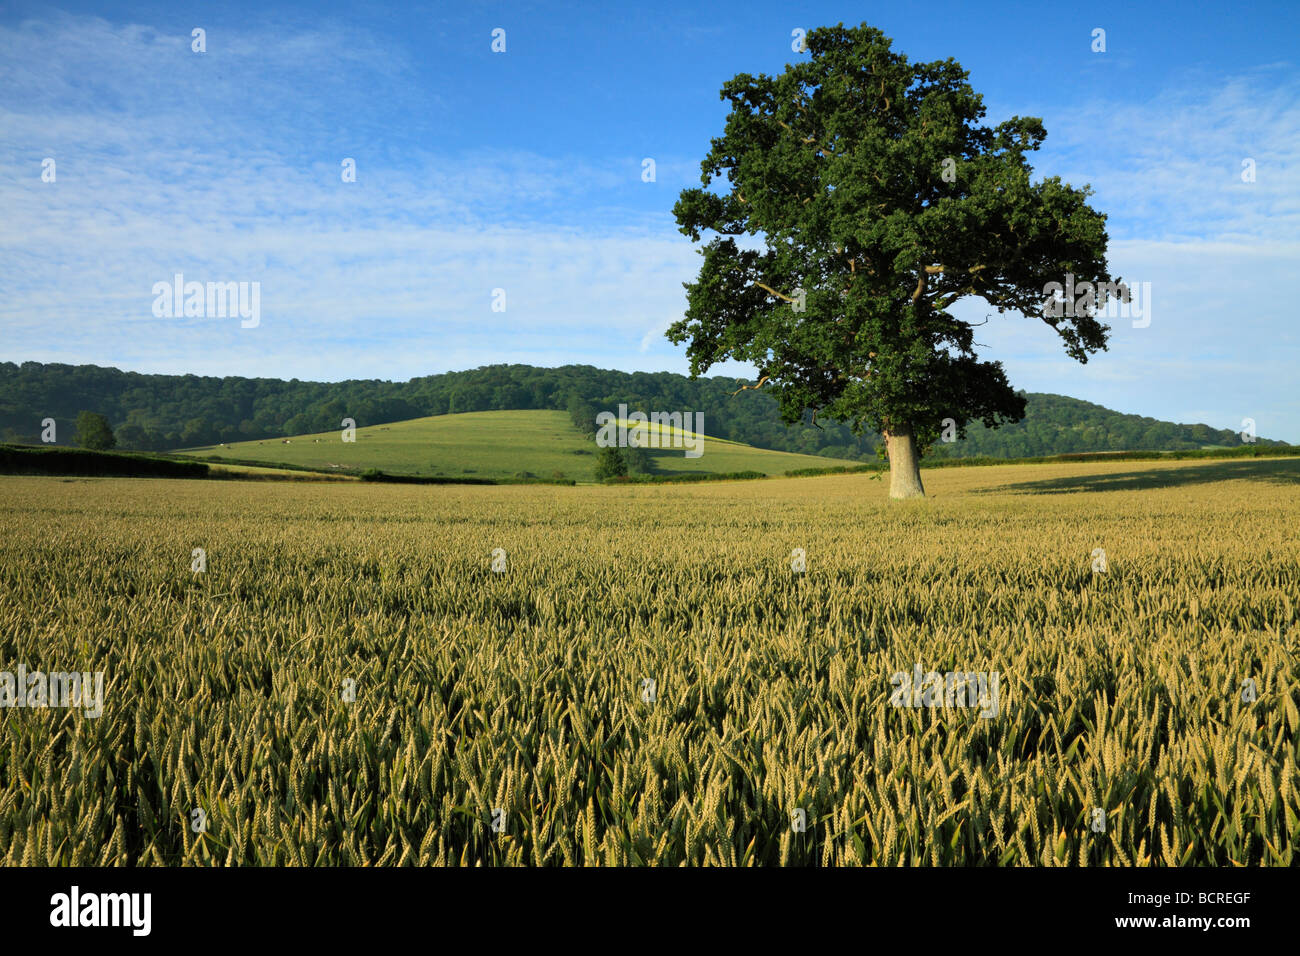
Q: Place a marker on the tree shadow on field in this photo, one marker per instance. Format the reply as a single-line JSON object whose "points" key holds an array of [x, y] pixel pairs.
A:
{"points": [[1278, 472]]}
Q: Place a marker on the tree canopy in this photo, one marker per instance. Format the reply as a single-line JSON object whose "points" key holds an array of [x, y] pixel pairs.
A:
{"points": [[94, 432], [160, 412], [877, 199]]}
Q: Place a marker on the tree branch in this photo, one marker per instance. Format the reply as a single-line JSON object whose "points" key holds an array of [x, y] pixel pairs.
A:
{"points": [[744, 387], [825, 150], [940, 304], [768, 288]]}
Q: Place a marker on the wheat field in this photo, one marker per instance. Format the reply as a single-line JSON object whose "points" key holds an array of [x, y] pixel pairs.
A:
{"points": [[349, 682]]}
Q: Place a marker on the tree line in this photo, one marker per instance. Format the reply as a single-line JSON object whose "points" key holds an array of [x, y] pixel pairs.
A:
{"points": [[163, 412]]}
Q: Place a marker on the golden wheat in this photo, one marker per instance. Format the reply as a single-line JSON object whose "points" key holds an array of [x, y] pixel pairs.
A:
{"points": [[506, 718]]}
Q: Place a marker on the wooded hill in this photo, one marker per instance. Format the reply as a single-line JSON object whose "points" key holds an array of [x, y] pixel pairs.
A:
{"points": [[162, 412]]}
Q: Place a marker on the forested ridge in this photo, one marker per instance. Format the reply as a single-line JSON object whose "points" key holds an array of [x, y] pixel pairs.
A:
{"points": [[161, 412]]}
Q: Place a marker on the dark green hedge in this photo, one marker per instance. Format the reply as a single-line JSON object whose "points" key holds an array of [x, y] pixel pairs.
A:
{"points": [[374, 474], [35, 460], [1241, 451], [674, 479], [832, 470]]}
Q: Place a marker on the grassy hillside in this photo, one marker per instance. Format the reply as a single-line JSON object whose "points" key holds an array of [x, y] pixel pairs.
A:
{"points": [[720, 456], [163, 412], [540, 443]]}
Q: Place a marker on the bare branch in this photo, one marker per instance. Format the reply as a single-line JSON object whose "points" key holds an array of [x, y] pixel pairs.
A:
{"points": [[768, 288], [920, 288], [746, 387], [808, 139]]}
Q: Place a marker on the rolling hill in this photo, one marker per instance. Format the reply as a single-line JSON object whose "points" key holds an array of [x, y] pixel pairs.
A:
{"points": [[498, 444], [163, 412]]}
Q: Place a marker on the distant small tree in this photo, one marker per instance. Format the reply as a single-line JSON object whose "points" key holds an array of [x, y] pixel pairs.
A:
{"points": [[610, 464], [582, 414], [638, 461], [94, 432]]}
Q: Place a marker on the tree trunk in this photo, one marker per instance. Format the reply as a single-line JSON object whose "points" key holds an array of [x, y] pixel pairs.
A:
{"points": [[904, 464]]}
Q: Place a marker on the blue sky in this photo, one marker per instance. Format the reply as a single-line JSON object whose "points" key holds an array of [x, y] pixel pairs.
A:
{"points": [[522, 170]]}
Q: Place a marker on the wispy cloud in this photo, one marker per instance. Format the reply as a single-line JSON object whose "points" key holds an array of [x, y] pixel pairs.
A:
{"points": [[1170, 167], [226, 166]]}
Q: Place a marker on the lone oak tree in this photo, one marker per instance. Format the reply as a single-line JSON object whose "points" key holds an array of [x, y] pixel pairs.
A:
{"points": [[877, 201]]}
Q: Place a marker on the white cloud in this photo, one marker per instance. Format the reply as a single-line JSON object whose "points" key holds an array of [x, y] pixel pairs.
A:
{"points": [[169, 162]]}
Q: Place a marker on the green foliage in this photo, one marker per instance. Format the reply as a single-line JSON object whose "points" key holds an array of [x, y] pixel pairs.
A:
{"points": [[153, 411], [94, 432], [840, 470], [1241, 451], [45, 460], [839, 164], [610, 464], [582, 413], [497, 445], [694, 476], [638, 461], [375, 474]]}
